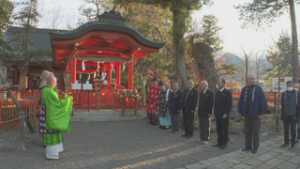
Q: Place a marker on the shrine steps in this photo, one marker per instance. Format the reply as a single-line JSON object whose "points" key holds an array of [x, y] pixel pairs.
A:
{"points": [[107, 115]]}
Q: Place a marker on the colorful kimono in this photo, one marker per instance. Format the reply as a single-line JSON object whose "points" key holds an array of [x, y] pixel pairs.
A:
{"points": [[56, 116], [152, 104], [164, 115]]}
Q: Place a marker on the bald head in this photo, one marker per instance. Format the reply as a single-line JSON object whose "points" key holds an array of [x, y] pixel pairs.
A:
{"points": [[51, 80], [45, 74], [251, 80]]}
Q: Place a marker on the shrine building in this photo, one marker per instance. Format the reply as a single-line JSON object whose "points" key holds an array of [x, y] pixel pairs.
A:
{"points": [[94, 54]]}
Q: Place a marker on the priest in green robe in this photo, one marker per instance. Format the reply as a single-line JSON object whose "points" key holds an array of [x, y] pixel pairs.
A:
{"points": [[54, 119]]}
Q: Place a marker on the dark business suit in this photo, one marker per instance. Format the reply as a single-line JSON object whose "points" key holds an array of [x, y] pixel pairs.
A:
{"points": [[223, 104], [190, 99], [206, 103], [175, 105]]}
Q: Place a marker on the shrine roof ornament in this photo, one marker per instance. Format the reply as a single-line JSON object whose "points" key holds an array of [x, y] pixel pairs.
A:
{"points": [[111, 21], [112, 14]]}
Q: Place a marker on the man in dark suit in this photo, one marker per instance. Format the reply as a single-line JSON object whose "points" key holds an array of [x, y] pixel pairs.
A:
{"points": [[175, 106], [205, 106], [190, 99], [223, 103]]}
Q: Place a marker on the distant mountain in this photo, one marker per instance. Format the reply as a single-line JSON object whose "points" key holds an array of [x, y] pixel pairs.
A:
{"points": [[234, 59]]}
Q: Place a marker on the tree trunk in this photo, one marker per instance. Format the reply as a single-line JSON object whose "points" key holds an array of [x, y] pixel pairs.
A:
{"points": [[179, 54], [246, 70], [295, 59]]}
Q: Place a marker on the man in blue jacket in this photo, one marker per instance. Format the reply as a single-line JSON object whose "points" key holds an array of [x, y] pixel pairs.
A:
{"points": [[290, 101], [223, 104], [251, 104], [175, 106]]}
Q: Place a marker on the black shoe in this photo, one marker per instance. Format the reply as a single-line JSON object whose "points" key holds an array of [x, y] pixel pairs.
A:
{"points": [[184, 135], [247, 149], [222, 146], [166, 128], [188, 137], [217, 145], [161, 127], [254, 151], [285, 145]]}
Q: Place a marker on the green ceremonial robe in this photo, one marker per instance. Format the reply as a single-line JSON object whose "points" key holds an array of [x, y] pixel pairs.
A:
{"points": [[58, 115]]}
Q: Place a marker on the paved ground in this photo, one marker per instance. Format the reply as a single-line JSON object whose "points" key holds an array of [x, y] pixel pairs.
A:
{"points": [[121, 145], [270, 156]]}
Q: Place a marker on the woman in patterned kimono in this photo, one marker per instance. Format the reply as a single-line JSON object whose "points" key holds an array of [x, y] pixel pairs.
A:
{"points": [[152, 103], [164, 115]]}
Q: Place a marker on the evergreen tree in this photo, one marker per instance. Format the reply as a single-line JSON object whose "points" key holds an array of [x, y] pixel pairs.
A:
{"points": [[210, 34], [181, 10], [266, 11], [92, 8], [6, 10], [27, 17], [281, 54]]}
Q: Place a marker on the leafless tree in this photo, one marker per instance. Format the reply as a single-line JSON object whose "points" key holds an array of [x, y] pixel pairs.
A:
{"points": [[246, 64], [260, 64]]}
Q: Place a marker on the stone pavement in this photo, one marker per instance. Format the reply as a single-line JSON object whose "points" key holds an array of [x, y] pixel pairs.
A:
{"points": [[269, 156], [121, 145]]}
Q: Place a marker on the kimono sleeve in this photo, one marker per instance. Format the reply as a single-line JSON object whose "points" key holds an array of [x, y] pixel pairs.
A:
{"points": [[58, 112]]}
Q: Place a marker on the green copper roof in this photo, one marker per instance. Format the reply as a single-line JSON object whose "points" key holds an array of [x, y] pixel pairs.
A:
{"points": [[108, 21]]}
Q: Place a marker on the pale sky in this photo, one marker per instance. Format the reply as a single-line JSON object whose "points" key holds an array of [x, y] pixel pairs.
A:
{"points": [[232, 34]]}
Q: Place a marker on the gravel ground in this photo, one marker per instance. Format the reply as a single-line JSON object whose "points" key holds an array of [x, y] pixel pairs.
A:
{"points": [[120, 145]]}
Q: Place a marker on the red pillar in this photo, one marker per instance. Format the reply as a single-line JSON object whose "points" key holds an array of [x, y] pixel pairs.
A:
{"points": [[73, 65], [118, 74], [109, 72], [130, 75]]}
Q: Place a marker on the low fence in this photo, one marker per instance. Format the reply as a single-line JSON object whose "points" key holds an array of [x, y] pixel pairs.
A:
{"points": [[10, 116]]}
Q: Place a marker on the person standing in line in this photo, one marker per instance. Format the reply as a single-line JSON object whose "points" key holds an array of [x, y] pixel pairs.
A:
{"points": [[223, 104], [175, 107], [190, 99], [205, 106], [152, 103], [251, 104], [290, 102], [164, 115], [296, 87]]}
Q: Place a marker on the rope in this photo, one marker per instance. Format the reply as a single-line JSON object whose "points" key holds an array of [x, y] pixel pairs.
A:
{"points": [[16, 118]]}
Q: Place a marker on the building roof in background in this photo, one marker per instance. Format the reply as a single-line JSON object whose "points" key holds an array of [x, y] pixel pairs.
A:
{"points": [[40, 37]]}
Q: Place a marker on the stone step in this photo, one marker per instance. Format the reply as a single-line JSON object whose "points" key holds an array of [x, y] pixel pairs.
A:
{"points": [[107, 118], [107, 115], [105, 112]]}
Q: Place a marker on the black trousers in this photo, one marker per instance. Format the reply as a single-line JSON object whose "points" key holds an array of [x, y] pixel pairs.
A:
{"points": [[204, 126], [188, 121], [287, 122], [222, 130], [252, 128]]}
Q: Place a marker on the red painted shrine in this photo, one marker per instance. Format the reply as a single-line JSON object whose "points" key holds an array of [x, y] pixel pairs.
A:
{"points": [[97, 47]]}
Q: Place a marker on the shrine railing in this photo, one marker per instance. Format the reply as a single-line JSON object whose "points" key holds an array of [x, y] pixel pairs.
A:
{"points": [[10, 116]]}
